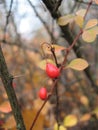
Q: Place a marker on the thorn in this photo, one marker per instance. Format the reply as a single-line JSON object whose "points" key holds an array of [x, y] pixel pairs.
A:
{"points": [[18, 76]]}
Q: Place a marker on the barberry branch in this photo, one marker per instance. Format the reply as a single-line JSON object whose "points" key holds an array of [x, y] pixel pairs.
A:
{"points": [[49, 95], [61, 69]]}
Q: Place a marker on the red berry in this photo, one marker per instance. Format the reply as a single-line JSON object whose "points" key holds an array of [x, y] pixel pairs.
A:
{"points": [[52, 71], [43, 93]]}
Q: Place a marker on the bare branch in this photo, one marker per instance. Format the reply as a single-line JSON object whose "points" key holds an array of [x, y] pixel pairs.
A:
{"points": [[43, 22]]}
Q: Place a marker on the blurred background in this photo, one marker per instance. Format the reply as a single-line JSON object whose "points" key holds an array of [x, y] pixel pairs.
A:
{"points": [[29, 25]]}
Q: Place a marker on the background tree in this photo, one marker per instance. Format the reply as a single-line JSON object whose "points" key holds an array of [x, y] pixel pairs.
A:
{"points": [[56, 31]]}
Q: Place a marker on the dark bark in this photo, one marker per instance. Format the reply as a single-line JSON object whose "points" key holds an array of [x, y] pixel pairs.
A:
{"points": [[7, 80]]}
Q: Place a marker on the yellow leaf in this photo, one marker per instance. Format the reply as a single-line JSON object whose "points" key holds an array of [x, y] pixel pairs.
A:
{"points": [[79, 20], [46, 47], [58, 48], [84, 100], [5, 107], [70, 120], [81, 12], [91, 23], [89, 35], [95, 111], [61, 127], [78, 64], [85, 117], [43, 63], [64, 20]]}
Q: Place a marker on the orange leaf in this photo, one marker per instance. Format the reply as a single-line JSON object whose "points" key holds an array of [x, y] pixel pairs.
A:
{"points": [[84, 100], [5, 107], [85, 117], [58, 48], [91, 23]]}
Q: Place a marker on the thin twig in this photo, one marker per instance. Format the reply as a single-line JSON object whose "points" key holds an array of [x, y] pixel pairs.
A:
{"points": [[57, 5], [57, 106], [83, 2], [50, 94], [89, 5], [7, 20], [43, 22]]}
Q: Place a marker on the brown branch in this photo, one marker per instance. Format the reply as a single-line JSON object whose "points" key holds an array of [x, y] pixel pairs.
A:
{"points": [[57, 5], [89, 5], [50, 94], [7, 80], [40, 18], [83, 2], [7, 19]]}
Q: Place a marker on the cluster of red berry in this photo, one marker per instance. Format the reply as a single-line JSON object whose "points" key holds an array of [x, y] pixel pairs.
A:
{"points": [[53, 72]]}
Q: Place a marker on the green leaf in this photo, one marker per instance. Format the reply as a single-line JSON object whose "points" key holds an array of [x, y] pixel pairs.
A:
{"points": [[70, 121], [91, 23], [64, 20], [78, 64], [61, 127], [42, 64]]}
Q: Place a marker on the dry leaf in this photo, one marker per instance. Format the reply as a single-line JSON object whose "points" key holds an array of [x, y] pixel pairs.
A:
{"points": [[79, 20], [61, 127], [84, 100], [78, 64], [64, 20], [91, 23], [58, 48], [70, 120], [81, 12], [85, 117], [5, 107]]}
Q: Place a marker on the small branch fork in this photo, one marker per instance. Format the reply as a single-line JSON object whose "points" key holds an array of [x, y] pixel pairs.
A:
{"points": [[61, 68], [57, 5]]}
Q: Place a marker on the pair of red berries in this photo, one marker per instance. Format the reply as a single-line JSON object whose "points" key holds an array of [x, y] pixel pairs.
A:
{"points": [[52, 72]]}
